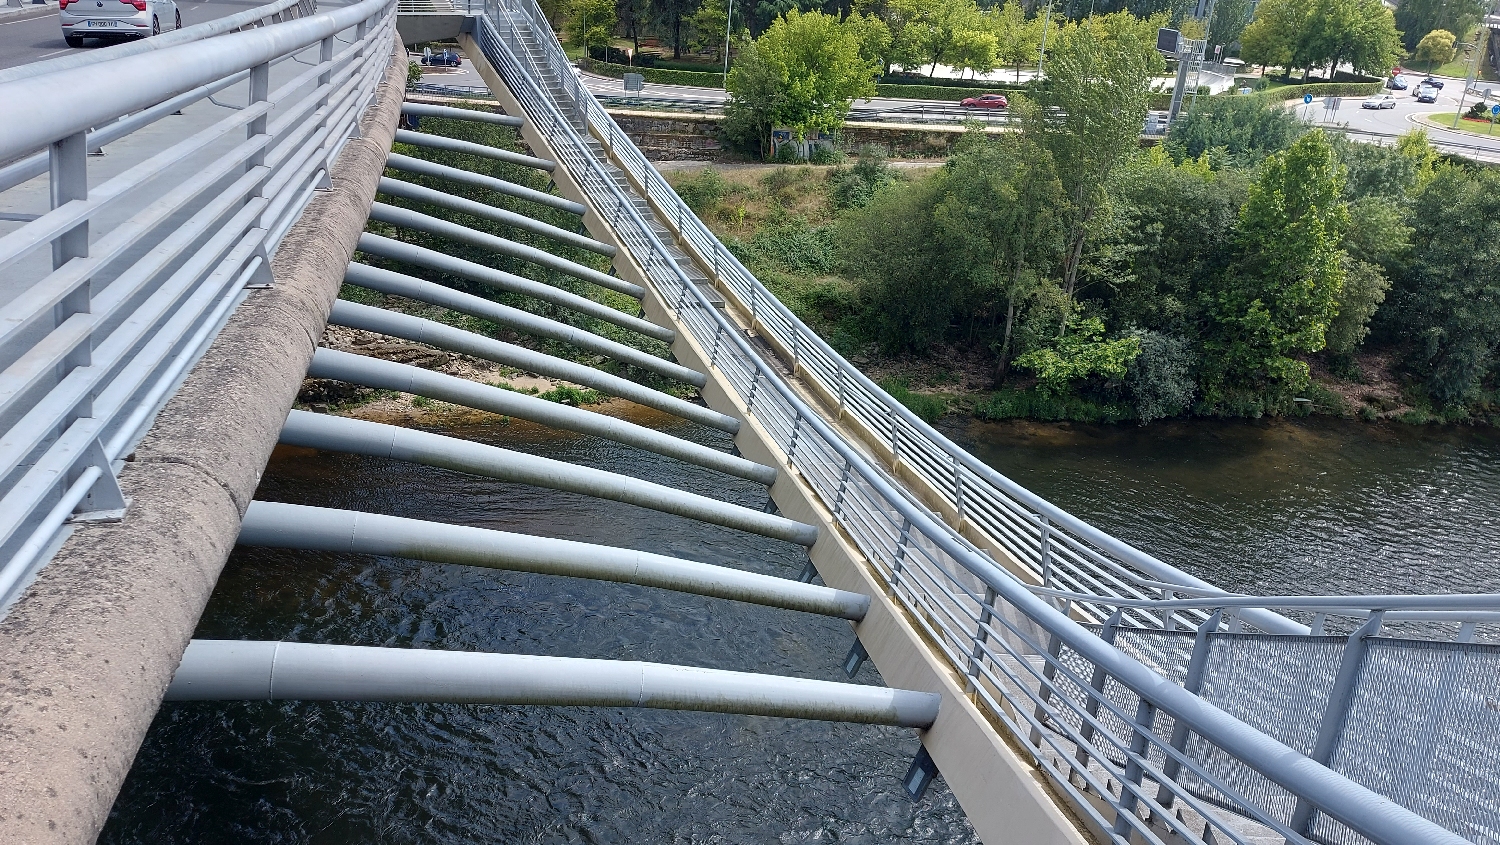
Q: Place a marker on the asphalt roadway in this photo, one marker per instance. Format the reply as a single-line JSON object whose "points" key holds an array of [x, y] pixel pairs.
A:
{"points": [[36, 39]]}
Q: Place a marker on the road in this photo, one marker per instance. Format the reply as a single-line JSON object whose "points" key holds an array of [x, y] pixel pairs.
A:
{"points": [[1407, 116], [23, 42]]}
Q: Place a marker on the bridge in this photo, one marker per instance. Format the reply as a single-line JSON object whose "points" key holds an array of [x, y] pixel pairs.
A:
{"points": [[164, 303]]}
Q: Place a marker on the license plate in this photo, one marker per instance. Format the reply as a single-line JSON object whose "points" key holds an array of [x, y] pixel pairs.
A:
{"points": [[100, 23]]}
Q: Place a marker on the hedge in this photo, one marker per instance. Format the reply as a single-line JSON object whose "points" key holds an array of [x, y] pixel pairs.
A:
{"points": [[659, 76], [1323, 89], [936, 92], [923, 81]]}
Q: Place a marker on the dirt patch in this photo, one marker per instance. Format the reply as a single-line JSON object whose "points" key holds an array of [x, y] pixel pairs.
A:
{"points": [[1374, 392]]}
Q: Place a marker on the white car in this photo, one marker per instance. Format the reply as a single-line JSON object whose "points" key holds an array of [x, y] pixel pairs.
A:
{"points": [[1379, 101], [116, 19]]}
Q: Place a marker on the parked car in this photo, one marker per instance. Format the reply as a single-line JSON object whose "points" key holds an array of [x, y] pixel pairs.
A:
{"points": [[1426, 94], [442, 58], [116, 20], [1397, 83], [988, 101], [1379, 101]]}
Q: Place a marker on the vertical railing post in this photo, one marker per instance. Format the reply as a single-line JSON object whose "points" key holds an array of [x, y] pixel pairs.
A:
{"points": [[1145, 718], [981, 636], [1044, 550], [69, 181], [838, 500], [1197, 666], [260, 89], [958, 490], [791, 451], [1049, 673], [897, 564], [1168, 620], [1096, 683], [1336, 713]]}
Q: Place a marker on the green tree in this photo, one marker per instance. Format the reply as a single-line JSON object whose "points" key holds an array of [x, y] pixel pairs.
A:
{"points": [[1270, 40], [873, 35], [1092, 107], [707, 25], [591, 23], [932, 29], [1282, 291], [1447, 301], [756, 92], [1361, 33], [1080, 354], [1233, 131], [1001, 214], [974, 51], [1415, 17], [1436, 48], [670, 15], [819, 72], [1017, 40], [1377, 238], [1230, 20]]}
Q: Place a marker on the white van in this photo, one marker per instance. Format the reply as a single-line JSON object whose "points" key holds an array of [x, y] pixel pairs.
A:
{"points": [[116, 20]]}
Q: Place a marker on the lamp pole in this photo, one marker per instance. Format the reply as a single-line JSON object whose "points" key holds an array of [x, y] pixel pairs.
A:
{"points": [[728, 24], [1042, 54], [1473, 70]]}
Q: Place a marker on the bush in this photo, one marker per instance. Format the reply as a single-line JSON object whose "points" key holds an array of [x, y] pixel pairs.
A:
{"points": [[790, 244], [1322, 89], [854, 187], [929, 408], [1160, 378], [1246, 129], [918, 79], [658, 76], [822, 154], [1013, 403], [703, 191], [937, 92]]}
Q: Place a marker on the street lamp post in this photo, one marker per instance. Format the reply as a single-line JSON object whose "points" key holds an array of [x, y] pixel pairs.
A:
{"points": [[1042, 54], [1474, 51], [728, 24]]}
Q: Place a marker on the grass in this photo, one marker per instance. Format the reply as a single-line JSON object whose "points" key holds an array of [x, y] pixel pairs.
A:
{"points": [[1473, 127], [929, 408]]}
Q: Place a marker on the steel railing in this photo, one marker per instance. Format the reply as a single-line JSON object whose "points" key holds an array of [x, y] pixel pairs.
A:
{"points": [[1054, 684], [148, 264]]}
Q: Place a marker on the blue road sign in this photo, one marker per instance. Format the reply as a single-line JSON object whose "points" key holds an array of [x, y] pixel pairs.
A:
{"points": [[1495, 110], [1306, 98]]}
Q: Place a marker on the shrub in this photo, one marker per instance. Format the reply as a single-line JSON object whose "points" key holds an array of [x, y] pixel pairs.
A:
{"points": [[937, 92], [929, 408], [825, 155], [565, 394], [703, 191], [659, 76], [854, 187], [1160, 378], [1014, 403]]}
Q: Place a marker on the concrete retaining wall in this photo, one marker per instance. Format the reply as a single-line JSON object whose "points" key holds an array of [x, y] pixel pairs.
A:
{"points": [[87, 653]]}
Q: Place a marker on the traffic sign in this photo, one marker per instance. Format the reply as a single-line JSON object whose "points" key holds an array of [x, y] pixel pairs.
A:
{"points": [[1306, 98], [1495, 110]]}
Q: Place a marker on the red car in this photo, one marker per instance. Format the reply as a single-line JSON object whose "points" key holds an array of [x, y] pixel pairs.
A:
{"points": [[988, 101]]}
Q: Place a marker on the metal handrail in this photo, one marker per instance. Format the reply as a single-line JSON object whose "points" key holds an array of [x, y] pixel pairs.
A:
{"points": [[86, 367], [907, 544]]}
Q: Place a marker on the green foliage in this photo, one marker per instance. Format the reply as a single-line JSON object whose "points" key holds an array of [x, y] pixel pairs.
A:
{"points": [[949, 93], [413, 75], [1416, 17], [855, 186], [1447, 301], [1233, 130], [813, 65], [565, 394], [755, 100], [1436, 48], [659, 76], [703, 191], [1160, 378], [1036, 404], [1322, 33], [1323, 89], [789, 244], [1282, 291], [591, 23], [933, 31], [929, 408], [1081, 354]]}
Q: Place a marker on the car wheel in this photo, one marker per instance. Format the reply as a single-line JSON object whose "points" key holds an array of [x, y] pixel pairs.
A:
{"points": [[74, 40], [179, 21], [155, 25]]}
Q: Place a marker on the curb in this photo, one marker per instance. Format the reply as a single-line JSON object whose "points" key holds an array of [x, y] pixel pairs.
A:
{"points": [[14, 14]]}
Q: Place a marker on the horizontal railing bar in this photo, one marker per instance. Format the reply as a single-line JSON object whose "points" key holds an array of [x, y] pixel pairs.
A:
{"points": [[454, 145], [408, 164], [420, 193], [450, 113]]}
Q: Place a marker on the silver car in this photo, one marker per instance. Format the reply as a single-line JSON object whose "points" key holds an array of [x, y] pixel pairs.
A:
{"points": [[116, 20]]}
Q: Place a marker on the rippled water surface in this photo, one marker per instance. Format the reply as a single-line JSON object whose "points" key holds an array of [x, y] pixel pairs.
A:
{"points": [[1276, 507], [392, 773]]}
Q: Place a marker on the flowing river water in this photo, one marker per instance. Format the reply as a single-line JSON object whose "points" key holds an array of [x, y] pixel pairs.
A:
{"points": [[1271, 507]]}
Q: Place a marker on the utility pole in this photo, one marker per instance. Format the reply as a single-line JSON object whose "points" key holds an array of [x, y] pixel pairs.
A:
{"points": [[1042, 55], [728, 24]]}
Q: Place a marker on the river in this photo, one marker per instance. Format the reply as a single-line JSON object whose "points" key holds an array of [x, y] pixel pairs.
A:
{"points": [[392, 773]]}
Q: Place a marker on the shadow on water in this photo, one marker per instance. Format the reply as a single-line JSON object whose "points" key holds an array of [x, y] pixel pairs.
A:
{"points": [[1275, 507], [294, 772]]}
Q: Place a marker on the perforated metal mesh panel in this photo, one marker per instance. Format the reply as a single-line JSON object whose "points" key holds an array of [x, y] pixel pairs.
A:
{"points": [[1424, 730]]}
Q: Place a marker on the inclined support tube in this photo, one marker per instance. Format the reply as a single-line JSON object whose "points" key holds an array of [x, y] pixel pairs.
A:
{"points": [[388, 375], [419, 330], [474, 115], [419, 193], [282, 526], [238, 670], [407, 164], [406, 253], [417, 221], [453, 145], [342, 434]]}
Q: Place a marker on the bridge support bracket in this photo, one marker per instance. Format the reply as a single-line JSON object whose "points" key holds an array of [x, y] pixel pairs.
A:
{"points": [[809, 572], [920, 775], [104, 502], [855, 659]]}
